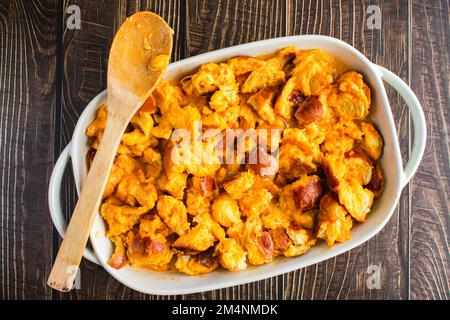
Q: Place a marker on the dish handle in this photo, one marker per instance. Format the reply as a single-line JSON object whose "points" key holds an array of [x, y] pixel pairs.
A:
{"points": [[54, 201], [418, 118]]}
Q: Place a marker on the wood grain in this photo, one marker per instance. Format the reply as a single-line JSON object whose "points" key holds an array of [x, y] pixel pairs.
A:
{"points": [[27, 99], [38, 68], [85, 59], [430, 220]]}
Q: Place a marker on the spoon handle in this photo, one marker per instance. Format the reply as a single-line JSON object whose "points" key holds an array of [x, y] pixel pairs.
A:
{"points": [[70, 253]]}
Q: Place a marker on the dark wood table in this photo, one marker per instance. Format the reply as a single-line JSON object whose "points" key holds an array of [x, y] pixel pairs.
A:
{"points": [[48, 73]]}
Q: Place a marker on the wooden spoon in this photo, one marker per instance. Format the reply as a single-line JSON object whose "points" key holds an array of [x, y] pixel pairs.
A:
{"points": [[137, 60]]}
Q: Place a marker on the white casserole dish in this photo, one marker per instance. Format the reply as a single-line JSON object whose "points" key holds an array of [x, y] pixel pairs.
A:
{"points": [[152, 282]]}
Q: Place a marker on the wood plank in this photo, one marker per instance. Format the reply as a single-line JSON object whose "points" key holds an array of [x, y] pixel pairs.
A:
{"points": [[27, 91], [84, 54], [430, 220], [212, 25], [345, 276]]}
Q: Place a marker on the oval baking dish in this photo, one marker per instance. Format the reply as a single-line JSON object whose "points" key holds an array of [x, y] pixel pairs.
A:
{"points": [[148, 281]]}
